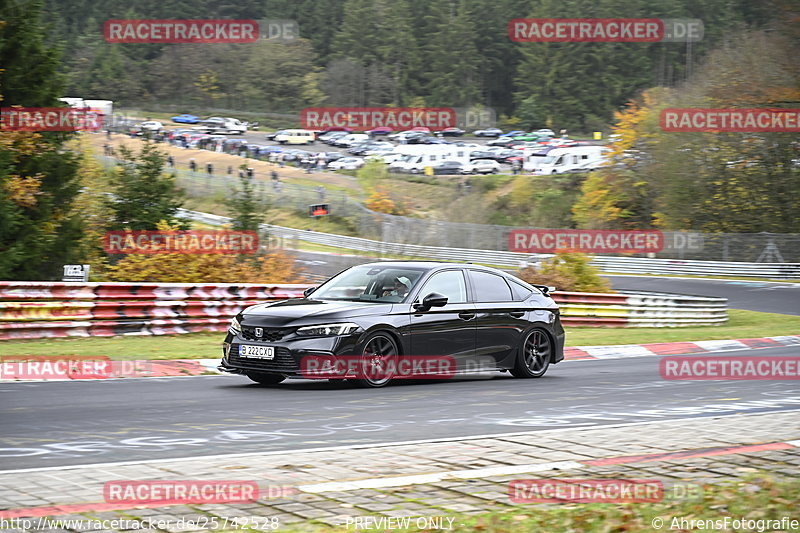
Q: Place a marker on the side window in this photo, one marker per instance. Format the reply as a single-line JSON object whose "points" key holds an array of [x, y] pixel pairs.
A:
{"points": [[490, 287], [520, 291], [449, 283], [560, 161]]}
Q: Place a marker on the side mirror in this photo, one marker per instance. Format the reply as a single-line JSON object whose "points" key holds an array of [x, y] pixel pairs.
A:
{"points": [[308, 291], [434, 299]]}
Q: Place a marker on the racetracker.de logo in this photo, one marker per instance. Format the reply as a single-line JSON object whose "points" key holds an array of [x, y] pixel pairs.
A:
{"points": [[715, 368], [50, 119], [181, 31], [367, 118], [180, 492], [377, 367], [587, 241], [613, 30], [181, 242], [764, 120], [44, 367], [585, 490]]}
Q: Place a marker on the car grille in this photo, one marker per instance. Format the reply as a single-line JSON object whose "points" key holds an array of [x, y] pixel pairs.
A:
{"points": [[269, 334], [282, 362]]}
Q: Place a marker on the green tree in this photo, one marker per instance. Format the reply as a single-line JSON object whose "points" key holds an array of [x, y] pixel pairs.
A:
{"points": [[453, 78], [245, 209], [143, 194], [39, 225]]}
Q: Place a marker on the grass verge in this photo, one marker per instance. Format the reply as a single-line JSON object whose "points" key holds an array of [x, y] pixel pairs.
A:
{"points": [[743, 324], [760, 501]]}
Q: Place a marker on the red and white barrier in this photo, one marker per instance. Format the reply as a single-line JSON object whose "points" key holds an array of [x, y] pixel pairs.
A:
{"points": [[32, 310]]}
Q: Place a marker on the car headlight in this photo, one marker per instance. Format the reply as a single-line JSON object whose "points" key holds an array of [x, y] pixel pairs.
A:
{"points": [[328, 330], [235, 327]]}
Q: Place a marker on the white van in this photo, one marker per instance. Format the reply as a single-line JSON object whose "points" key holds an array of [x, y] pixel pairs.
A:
{"points": [[295, 137], [564, 160], [416, 157]]}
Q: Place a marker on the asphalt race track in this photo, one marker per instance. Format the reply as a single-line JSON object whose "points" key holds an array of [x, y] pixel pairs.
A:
{"points": [[73, 423], [47, 424], [765, 296]]}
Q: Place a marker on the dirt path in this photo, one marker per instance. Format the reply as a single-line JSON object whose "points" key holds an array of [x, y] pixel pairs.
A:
{"points": [[222, 161]]}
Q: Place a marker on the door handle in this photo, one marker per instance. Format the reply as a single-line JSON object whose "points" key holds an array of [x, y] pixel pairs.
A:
{"points": [[466, 315], [517, 314]]}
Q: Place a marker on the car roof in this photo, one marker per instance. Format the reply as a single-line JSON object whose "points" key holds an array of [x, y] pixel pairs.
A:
{"points": [[432, 265]]}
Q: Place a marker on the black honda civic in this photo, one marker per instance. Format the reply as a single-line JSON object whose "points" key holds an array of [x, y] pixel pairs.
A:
{"points": [[377, 322]]}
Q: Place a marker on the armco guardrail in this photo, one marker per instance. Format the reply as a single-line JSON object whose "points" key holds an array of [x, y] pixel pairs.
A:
{"points": [[30, 310], [624, 265]]}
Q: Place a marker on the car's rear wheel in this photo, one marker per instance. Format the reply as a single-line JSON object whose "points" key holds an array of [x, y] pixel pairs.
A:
{"points": [[266, 379], [534, 355], [378, 361]]}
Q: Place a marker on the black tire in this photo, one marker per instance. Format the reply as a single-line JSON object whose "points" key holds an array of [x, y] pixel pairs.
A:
{"points": [[535, 355], [379, 349], [266, 379]]}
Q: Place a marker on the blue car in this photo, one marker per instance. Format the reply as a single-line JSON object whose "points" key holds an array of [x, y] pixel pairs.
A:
{"points": [[186, 119]]}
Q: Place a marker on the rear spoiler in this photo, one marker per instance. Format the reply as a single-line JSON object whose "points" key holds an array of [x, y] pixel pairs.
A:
{"points": [[546, 290]]}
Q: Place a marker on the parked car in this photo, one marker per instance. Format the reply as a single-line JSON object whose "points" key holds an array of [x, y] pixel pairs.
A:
{"points": [[367, 146], [545, 132], [221, 125], [370, 314], [451, 132], [380, 130], [330, 129], [152, 126], [346, 163], [482, 166], [449, 168], [331, 136], [481, 154], [488, 132], [508, 156], [528, 137], [330, 156], [504, 141], [350, 139], [271, 136], [186, 119]]}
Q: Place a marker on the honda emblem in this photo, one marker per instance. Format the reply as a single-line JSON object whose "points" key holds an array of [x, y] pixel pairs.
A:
{"points": [[259, 332]]}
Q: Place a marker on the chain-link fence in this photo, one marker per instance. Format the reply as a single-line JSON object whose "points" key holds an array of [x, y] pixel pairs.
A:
{"points": [[689, 245]]}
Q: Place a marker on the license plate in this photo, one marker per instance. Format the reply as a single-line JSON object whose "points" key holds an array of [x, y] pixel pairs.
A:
{"points": [[256, 352]]}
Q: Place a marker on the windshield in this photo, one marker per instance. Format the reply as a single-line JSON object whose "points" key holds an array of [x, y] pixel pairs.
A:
{"points": [[370, 283]]}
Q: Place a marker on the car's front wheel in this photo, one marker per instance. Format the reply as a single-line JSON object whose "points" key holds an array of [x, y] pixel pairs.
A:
{"points": [[534, 355], [378, 361], [266, 379]]}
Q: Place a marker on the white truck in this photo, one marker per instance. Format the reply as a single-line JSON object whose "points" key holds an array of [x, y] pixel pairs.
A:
{"points": [[563, 160], [415, 157]]}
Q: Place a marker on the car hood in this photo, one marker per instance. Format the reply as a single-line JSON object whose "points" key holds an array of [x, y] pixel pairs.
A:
{"points": [[286, 311]]}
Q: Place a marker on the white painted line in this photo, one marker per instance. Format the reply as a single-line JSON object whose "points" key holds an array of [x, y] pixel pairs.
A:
{"points": [[795, 443], [617, 351], [718, 346], [787, 340], [420, 479], [295, 451]]}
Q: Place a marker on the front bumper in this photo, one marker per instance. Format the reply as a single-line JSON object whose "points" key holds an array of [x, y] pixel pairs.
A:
{"points": [[288, 354]]}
